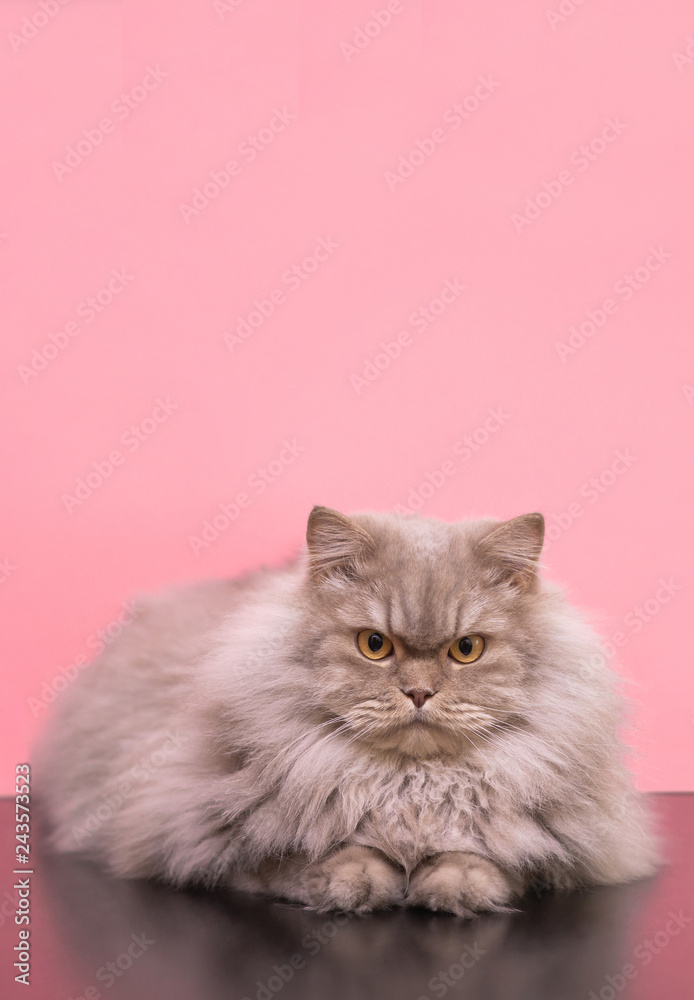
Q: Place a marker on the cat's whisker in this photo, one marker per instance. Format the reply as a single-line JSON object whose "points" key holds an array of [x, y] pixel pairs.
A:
{"points": [[303, 737], [554, 748], [552, 755], [470, 740], [507, 720], [320, 743], [533, 737], [533, 764]]}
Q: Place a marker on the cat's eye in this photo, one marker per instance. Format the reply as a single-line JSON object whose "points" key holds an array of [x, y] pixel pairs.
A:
{"points": [[374, 645], [468, 649]]}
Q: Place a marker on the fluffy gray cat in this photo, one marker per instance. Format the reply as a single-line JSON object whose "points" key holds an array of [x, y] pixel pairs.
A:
{"points": [[406, 715]]}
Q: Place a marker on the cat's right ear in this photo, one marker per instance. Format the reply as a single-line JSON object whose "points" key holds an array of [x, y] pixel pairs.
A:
{"points": [[337, 545]]}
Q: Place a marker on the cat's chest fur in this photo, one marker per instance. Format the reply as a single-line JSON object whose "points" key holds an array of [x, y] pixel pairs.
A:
{"points": [[421, 810], [409, 812]]}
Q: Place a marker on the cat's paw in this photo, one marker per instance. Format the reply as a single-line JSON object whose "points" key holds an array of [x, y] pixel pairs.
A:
{"points": [[355, 879], [461, 883]]}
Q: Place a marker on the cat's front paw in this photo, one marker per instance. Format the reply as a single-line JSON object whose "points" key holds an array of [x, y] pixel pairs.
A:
{"points": [[355, 879], [461, 883]]}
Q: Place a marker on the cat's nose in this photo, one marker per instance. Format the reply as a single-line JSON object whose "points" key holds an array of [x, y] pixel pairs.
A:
{"points": [[418, 695]]}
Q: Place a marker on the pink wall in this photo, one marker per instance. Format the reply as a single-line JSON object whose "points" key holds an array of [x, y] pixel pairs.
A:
{"points": [[467, 182]]}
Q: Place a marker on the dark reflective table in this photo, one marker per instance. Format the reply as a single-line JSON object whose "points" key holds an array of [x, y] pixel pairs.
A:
{"points": [[94, 937]]}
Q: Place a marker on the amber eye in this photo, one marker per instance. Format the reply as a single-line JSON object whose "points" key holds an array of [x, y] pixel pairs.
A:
{"points": [[468, 649], [374, 645]]}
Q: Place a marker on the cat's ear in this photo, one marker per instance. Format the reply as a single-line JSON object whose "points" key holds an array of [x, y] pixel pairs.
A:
{"points": [[511, 550], [337, 545]]}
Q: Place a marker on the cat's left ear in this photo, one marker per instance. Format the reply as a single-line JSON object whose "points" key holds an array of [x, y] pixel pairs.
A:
{"points": [[337, 545], [511, 551]]}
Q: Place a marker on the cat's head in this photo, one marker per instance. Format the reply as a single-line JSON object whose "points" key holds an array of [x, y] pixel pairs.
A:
{"points": [[420, 634]]}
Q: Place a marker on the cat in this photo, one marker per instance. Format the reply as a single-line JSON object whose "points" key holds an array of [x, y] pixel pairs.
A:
{"points": [[407, 714]]}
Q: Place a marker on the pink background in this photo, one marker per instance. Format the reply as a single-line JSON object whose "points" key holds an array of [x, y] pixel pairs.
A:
{"points": [[610, 234]]}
